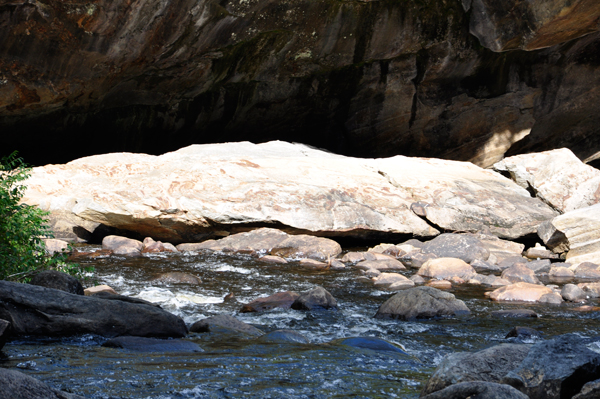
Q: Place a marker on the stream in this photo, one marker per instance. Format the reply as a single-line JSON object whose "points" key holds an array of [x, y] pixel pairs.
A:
{"points": [[239, 367]]}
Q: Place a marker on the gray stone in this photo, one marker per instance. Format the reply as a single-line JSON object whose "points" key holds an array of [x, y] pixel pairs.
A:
{"points": [[283, 337], [461, 246], [540, 266], [315, 299], [516, 313], [224, 324], [143, 344], [283, 300], [16, 385], [572, 293], [520, 273], [523, 333], [58, 281], [421, 303], [588, 270], [177, 278], [477, 390]]}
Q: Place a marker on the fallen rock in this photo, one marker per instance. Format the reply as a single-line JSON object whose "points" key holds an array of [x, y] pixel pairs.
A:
{"points": [[58, 281], [122, 245], [319, 192], [520, 273], [477, 389], [41, 311], [572, 293], [461, 246], [177, 278], [421, 303], [282, 300], [277, 243], [590, 390], [558, 177], [576, 233], [99, 288], [143, 344], [315, 299], [22, 386], [283, 337], [490, 365], [556, 368], [224, 324], [446, 268], [525, 292]]}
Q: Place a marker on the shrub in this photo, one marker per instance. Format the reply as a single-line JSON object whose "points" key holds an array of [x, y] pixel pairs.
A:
{"points": [[23, 228]]}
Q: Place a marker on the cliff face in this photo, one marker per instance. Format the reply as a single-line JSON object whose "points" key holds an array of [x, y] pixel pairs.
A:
{"points": [[442, 78]]}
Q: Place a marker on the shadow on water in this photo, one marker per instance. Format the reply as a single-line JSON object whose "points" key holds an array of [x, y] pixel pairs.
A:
{"points": [[234, 366]]}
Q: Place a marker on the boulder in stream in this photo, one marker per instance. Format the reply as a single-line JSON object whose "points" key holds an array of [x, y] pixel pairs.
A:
{"points": [[58, 281], [421, 303], [225, 324], [16, 385], [520, 273], [145, 344], [177, 278], [282, 300], [461, 246], [315, 299], [446, 268], [490, 365], [41, 311], [122, 245], [477, 390], [523, 292], [283, 337]]}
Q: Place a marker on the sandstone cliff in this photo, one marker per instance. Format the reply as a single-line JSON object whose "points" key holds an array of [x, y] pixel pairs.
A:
{"points": [[457, 79]]}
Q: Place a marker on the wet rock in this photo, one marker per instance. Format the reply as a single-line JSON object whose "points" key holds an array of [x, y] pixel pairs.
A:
{"points": [[41, 311], [417, 279], [558, 177], [461, 246], [591, 289], [224, 324], [446, 268], [421, 303], [525, 292], [58, 281], [484, 266], [489, 365], [143, 344], [311, 263], [520, 273], [283, 337], [561, 272], [277, 243], [416, 260], [272, 259], [282, 300], [523, 333], [388, 249], [382, 264], [398, 281], [54, 246], [511, 261], [336, 265], [572, 293], [556, 368], [151, 246], [122, 245], [590, 390], [439, 284], [372, 343], [5, 332], [516, 313], [177, 278], [490, 280], [22, 386], [588, 270], [477, 389], [315, 299], [576, 233], [99, 288], [353, 257], [371, 273], [306, 196]]}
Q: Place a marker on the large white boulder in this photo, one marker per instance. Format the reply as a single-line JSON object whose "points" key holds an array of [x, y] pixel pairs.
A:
{"points": [[183, 195]]}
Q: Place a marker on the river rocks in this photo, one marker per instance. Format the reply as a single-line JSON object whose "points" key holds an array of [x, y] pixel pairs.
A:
{"points": [[371, 343], [573, 293], [16, 385], [54, 246], [519, 273], [421, 303], [143, 344], [392, 281], [177, 278], [446, 268], [591, 289], [523, 333], [381, 264], [315, 299], [588, 270], [477, 389], [283, 337], [273, 259], [41, 311], [489, 365], [556, 368], [277, 243], [465, 247], [122, 245], [98, 289], [515, 313], [151, 246], [224, 324], [282, 300], [58, 281], [525, 292], [317, 192], [576, 233]]}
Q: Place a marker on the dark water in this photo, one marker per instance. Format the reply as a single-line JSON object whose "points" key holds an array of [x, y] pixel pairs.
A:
{"points": [[232, 367]]}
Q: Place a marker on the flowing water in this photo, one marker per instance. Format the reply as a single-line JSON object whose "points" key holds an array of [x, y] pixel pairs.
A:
{"points": [[237, 367]]}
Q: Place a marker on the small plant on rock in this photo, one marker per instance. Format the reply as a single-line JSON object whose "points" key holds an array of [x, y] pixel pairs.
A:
{"points": [[23, 228]]}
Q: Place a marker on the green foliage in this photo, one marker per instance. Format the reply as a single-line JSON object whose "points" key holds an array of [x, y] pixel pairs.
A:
{"points": [[23, 228]]}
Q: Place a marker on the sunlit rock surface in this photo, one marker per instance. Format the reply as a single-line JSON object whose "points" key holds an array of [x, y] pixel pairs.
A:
{"points": [[185, 196]]}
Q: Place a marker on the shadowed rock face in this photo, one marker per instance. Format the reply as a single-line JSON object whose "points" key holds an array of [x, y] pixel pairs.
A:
{"points": [[361, 78]]}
